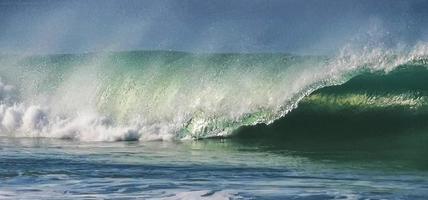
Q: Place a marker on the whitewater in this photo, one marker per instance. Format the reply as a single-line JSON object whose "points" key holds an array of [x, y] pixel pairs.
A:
{"points": [[168, 95]]}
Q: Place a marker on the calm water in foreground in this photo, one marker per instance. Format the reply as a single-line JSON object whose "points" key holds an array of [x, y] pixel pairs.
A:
{"points": [[383, 168]]}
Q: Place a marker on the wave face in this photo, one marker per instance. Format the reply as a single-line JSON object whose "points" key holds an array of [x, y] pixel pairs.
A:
{"points": [[158, 95], [369, 105]]}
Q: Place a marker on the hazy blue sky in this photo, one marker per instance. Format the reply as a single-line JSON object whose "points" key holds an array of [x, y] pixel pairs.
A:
{"points": [[299, 26]]}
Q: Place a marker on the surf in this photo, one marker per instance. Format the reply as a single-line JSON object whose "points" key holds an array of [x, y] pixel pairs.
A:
{"points": [[168, 95]]}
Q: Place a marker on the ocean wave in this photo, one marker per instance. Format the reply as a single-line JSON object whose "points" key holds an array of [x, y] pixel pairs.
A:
{"points": [[175, 95]]}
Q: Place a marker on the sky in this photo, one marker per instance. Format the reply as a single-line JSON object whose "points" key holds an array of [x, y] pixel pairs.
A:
{"points": [[290, 26]]}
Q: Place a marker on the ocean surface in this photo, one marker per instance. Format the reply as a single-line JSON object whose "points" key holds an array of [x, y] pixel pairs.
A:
{"points": [[176, 125], [387, 168]]}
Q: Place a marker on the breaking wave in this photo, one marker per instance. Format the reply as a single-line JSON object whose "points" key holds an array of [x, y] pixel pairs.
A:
{"points": [[162, 95]]}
